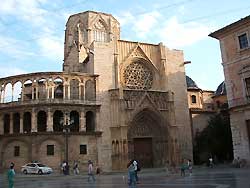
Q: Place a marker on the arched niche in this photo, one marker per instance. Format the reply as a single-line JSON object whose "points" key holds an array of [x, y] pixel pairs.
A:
{"points": [[41, 121], [27, 90], [58, 92], [17, 91], [57, 117], [42, 92], [90, 92], [16, 123], [6, 123], [27, 122], [8, 93], [74, 89], [74, 115], [90, 121]]}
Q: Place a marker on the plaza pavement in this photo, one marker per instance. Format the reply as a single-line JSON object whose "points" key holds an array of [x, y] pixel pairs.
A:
{"points": [[218, 177]]}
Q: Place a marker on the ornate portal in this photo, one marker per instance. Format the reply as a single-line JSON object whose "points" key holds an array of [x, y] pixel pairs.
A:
{"points": [[138, 76]]}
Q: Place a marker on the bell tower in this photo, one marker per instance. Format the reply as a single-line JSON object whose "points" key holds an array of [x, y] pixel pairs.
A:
{"points": [[82, 30]]}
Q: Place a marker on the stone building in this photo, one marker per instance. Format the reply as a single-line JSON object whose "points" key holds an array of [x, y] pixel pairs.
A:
{"points": [[235, 51], [201, 106], [128, 100]]}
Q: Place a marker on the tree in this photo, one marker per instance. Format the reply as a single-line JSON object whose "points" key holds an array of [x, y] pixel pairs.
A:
{"points": [[215, 140]]}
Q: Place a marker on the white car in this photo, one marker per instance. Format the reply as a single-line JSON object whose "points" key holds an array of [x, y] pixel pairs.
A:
{"points": [[36, 168]]}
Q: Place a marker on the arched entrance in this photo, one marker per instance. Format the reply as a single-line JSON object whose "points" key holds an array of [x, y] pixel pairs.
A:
{"points": [[148, 139]]}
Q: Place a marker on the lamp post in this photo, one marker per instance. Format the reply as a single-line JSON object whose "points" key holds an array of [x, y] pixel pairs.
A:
{"points": [[66, 129]]}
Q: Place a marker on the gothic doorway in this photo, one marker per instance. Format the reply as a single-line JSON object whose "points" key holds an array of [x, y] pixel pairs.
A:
{"points": [[143, 151], [147, 139]]}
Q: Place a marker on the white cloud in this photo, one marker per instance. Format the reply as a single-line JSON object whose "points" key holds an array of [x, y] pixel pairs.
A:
{"points": [[155, 27], [176, 35], [10, 71], [26, 10], [51, 47], [125, 18], [145, 23], [14, 48]]}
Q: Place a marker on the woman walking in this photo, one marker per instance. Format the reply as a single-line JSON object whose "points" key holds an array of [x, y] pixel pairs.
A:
{"points": [[11, 174]]}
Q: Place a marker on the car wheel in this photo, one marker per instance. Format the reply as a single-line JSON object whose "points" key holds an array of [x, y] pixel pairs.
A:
{"points": [[40, 172], [25, 172]]}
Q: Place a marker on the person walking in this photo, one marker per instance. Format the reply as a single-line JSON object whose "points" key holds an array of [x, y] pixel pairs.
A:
{"points": [[137, 169], [91, 171], [11, 174], [75, 168], [190, 167], [183, 168], [131, 173], [211, 164]]}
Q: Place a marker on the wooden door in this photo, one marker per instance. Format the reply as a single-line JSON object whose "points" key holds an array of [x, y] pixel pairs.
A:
{"points": [[143, 152]]}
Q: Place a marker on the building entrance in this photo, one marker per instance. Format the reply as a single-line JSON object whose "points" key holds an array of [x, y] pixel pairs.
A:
{"points": [[143, 151]]}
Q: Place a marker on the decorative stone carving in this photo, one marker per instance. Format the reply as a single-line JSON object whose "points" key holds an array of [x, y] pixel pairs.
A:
{"points": [[138, 76]]}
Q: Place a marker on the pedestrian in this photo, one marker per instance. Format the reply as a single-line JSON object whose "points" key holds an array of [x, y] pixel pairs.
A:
{"points": [[75, 168], [183, 168], [210, 162], [190, 167], [91, 171], [11, 174], [98, 170], [66, 168], [137, 169], [131, 173]]}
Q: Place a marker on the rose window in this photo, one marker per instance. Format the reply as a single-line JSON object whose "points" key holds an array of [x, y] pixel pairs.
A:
{"points": [[138, 76]]}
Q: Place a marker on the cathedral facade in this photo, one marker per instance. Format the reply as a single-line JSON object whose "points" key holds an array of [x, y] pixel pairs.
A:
{"points": [[127, 99]]}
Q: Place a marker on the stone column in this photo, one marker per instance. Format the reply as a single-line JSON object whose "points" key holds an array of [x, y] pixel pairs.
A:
{"points": [[21, 122], [64, 93], [49, 121], [11, 123], [69, 91], [1, 125], [48, 88], [32, 92], [36, 92], [53, 93], [33, 121], [22, 92], [12, 92], [82, 122], [80, 91]]}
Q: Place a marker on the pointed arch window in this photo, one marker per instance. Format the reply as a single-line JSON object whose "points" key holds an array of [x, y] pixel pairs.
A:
{"points": [[100, 32]]}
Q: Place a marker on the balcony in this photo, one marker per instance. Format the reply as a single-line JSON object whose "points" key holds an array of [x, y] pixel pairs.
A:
{"points": [[49, 101]]}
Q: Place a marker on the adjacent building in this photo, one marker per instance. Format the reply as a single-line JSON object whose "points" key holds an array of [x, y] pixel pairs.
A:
{"points": [[235, 52], [201, 106]]}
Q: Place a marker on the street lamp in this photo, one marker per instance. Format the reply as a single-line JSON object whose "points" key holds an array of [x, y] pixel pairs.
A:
{"points": [[66, 129]]}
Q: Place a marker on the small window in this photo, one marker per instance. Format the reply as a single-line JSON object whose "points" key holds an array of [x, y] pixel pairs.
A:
{"points": [[243, 41], [83, 149], [50, 149], [193, 98], [247, 82], [16, 151]]}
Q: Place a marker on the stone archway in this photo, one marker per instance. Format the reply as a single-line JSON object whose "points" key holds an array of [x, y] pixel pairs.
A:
{"points": [[147, 139]]}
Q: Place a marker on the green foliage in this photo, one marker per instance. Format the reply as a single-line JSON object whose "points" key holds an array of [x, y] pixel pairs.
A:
{"points": [[215, 140]]}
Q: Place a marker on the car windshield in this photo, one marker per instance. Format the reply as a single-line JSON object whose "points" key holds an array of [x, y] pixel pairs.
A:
{"points": [[41, 165]]}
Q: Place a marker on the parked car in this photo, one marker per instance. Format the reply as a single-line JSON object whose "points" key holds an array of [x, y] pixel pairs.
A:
{"points": [[36, 168]]}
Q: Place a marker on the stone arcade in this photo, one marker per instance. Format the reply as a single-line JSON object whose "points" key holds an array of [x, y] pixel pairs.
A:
{"points": [[128, 100]]}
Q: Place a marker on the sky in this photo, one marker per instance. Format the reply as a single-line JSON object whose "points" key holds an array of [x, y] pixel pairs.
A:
{"points": [[32, 31]]}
